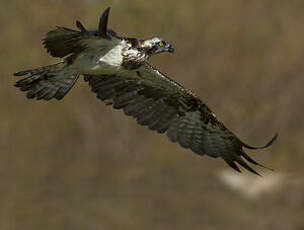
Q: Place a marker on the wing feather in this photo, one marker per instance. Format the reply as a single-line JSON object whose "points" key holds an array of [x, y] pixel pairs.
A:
{"points": [[163, 105], [62, 41]]}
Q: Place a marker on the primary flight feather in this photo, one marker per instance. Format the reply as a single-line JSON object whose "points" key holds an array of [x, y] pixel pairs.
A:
{"points": [[117, 70]]}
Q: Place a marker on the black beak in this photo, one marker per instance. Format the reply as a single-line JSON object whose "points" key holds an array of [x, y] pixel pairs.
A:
{"points": [[169, 48]]}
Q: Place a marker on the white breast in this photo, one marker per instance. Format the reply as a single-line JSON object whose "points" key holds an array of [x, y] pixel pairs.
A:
{"points": [[113, 57]]}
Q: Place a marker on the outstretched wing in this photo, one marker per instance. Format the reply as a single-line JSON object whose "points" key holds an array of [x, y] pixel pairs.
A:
{"points": [[163, 105], [63, 41]]}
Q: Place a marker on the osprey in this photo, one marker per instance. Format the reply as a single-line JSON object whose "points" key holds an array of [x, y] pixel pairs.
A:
{"points": [[117, 70]]}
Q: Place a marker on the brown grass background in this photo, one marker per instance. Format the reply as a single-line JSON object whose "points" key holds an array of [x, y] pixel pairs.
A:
{"points": [[77, 164]]}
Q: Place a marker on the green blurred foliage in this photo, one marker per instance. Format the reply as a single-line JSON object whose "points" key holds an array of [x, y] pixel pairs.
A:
{"points": [[77, 164]]}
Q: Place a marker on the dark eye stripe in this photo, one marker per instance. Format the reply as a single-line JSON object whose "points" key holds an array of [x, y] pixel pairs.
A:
{"points": [[162, 42], [154, 48]]}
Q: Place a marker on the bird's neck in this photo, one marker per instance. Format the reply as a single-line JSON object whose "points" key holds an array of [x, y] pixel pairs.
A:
{"points": [[133, 56]]}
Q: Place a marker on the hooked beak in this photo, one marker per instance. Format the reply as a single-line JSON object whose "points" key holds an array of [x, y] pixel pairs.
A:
{"points": [[167, 48]]}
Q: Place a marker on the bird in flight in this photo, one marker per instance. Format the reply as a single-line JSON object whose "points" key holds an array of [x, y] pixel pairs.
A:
{"points": [[117, 70]]}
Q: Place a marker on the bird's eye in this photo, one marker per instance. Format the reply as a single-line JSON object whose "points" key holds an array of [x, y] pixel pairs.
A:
{"points": [[161, 44]]}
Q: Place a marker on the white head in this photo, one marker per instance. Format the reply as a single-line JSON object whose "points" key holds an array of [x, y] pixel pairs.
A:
{"points": [[156, 45]]}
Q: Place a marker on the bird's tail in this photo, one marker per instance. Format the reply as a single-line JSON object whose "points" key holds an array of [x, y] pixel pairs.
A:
{"points": [[47, 82]]}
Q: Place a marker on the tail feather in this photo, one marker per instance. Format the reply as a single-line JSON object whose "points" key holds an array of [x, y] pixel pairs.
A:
{"points": [[47, 82]]}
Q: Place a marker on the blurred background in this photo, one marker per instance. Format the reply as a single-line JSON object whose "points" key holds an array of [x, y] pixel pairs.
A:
{"points": [[77, 164]]}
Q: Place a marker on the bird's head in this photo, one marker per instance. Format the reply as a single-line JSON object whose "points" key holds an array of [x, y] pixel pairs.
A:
{"points": [[155, 46]]}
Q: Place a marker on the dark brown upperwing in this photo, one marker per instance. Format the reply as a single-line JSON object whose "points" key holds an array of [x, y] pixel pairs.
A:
{"points": [[64, 41], [163, 105], [103, 23]]}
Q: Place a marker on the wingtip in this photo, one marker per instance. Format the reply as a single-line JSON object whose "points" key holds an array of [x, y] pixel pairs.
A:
{"points": [[233, 165], [20, 73], [242, 163], [108, 9], [273, 139], [103, 23], [246, 166], [249, 159], [80, 26]]}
